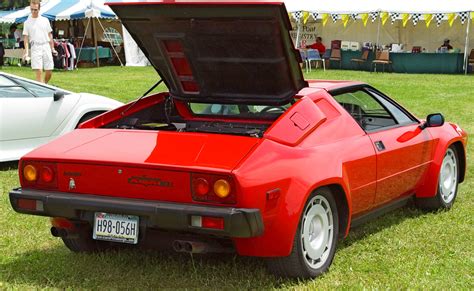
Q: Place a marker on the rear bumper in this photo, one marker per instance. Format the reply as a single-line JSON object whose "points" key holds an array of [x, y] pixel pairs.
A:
{"points": [[238, 222]]}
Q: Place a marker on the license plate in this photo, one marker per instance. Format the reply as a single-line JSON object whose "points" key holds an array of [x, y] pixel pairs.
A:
{"points": [[116, 227]]}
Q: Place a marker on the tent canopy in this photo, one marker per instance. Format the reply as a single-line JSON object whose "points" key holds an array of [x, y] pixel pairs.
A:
{"points": [[63, 10], [367, 6]]}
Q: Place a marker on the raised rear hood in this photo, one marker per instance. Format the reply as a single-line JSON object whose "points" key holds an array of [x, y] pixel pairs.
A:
{"points": [[217, 51]]}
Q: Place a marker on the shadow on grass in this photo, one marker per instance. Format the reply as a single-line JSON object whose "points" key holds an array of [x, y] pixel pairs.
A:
{"points": [[137, 269], [7, 166]]}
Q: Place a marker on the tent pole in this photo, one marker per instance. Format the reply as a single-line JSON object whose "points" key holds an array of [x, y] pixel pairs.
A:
{"points": [[466, 46], [110, 41], [378, 32], [94, 35], [298, 31], [82, 43]]}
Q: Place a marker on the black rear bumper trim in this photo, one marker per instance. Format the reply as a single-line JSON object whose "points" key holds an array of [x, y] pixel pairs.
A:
{"points": [[238, 222]]}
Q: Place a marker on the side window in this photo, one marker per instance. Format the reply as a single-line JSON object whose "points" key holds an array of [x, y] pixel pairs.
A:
{"points": [[367, 111], [401, 117], [6, 82], [38, 90], [14, 92]]}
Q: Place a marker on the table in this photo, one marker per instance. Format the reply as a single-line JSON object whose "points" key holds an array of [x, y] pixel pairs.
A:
{"points": [[433, 63], [88, 54]]}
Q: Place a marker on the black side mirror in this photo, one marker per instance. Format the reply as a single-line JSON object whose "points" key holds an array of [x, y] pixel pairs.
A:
{"points": [[58, 95], [433, 120]]}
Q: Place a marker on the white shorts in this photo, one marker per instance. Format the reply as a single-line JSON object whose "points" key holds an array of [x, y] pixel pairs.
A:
{"points": [[41, 57]]}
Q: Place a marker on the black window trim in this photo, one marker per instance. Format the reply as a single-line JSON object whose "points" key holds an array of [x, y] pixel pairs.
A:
{"points": [[18, 84], [376, 94]]}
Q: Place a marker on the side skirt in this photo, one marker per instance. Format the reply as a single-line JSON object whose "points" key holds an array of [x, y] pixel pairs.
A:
{"points": [[390, 206]]}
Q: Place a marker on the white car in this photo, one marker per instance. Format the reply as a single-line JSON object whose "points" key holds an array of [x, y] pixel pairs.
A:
{"points": [[32, 113]]}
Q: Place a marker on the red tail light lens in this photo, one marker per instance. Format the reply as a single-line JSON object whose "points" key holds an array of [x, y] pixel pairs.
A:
{"points": [[213, 188], [35, 174], [47, 175], [213, 222]]}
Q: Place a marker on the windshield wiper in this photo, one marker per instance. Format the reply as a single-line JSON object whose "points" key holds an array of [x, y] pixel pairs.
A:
{"points": [[146, 93]]}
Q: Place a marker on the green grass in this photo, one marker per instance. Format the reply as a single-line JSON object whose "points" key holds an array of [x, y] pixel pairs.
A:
{"points": [[403, 249]]}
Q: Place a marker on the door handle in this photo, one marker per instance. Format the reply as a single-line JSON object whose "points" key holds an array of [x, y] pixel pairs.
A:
{"points": [[379, 145]]}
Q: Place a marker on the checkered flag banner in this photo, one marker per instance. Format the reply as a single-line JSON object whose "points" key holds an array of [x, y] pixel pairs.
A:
{"points": [[415, 18], [373, 16], [334, 17], [463, 16], [297, 15], [354, 16], [393, 17], [439, 17], [314, 15]]}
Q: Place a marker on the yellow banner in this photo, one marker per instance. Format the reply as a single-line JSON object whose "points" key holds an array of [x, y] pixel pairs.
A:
{"points": [[428, 18], [324, 18], [365, 17], [305, 17], [405, 17], [384, 16], [472, 15], [345, 19], [451, 17]]}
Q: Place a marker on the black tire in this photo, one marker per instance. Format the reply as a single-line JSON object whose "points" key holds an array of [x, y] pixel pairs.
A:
{"points": [[88, 116], [444, 199], [297, 264]]}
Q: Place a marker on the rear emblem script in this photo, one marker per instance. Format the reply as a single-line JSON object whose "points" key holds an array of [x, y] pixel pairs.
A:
{"points": [[72, 184], [149, 181]]}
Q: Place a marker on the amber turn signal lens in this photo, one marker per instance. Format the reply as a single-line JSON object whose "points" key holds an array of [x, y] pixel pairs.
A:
{"points": [[30, 174], [222, 188]]}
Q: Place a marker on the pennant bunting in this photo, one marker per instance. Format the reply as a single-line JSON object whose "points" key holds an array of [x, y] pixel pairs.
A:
{"points": [[345, 19], [394, 17], [463, 17], [451, 17], [415, 17], [324, 18], [314, 15], [428, 18], [305, 17], [439, 17], [472, 15], [364, 17], [354, 16], [334, 17], [405, 17], [373, 16], [297, 15], [384, 16]]}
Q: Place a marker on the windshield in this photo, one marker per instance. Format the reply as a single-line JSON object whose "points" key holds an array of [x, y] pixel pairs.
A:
{"points": [[239, 110]]}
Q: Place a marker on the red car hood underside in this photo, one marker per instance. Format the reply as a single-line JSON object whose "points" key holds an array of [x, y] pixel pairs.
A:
{"points": [[196, 151]]}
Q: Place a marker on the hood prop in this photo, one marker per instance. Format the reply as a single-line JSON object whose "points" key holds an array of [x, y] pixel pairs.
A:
{"points": [[146, 93]]}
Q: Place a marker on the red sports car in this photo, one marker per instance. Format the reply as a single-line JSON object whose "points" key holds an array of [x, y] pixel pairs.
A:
{"points": [[242, 154]]}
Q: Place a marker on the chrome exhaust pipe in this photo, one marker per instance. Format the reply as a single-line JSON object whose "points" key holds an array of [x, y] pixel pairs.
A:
{"points": [[178, 246]]}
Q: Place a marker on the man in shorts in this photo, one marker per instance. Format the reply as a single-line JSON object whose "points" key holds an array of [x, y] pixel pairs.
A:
{"points": [[37, 35]]}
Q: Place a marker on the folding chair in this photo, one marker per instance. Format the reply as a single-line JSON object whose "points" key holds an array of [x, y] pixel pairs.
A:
{"points": [[313, 55], [362, 60], [384, 59], [336, 56]]}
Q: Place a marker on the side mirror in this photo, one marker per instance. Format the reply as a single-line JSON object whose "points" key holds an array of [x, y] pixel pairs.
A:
{"points": [[433, 120], [58, 95]]}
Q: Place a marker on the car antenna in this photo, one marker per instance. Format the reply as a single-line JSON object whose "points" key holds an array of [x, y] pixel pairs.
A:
{"points": [[146, 93]]}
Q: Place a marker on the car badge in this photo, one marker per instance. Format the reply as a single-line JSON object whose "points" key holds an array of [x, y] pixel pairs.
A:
{"points": [[72, 184]]}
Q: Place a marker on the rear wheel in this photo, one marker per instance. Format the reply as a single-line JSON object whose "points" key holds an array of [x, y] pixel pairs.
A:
{"points": [[82, 241], [315, 239], [448, 181], [88, 116]]}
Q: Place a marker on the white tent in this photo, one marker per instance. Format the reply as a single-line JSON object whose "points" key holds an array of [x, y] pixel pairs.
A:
{"points": [[402, 10]]}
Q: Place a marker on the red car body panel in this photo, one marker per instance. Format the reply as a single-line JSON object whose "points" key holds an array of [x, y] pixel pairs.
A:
{"points": [[314, 143]]}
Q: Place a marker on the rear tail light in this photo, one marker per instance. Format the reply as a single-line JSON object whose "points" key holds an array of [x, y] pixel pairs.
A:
{"points": [[207, 222], [30, 204], [34, 174], [213, 188]]}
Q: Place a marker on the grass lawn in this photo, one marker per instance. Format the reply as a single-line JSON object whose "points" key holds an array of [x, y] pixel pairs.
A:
{"points": [[403, 249]]}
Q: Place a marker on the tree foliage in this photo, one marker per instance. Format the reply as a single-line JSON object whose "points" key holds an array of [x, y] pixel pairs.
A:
{"points": [[13, 4]]}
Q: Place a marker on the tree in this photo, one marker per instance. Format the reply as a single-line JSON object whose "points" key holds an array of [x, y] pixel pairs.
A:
{"points": [[14, 4]]}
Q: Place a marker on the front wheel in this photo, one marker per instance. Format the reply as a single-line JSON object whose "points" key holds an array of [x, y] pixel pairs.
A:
{"points": [[315, 239], [448, 181]]}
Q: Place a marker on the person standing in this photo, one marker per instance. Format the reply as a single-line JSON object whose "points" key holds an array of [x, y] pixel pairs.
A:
{"points": [[37, 36]]}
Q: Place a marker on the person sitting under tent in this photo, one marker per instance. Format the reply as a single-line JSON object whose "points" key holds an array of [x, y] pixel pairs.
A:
{"points": [[445, 46], [318, 45]]}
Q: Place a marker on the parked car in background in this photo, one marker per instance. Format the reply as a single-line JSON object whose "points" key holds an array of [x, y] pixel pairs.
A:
{"points": [[32, 113], [242, 154]]}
